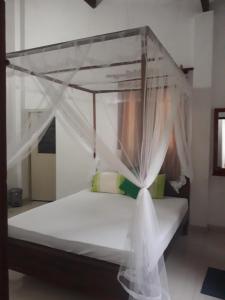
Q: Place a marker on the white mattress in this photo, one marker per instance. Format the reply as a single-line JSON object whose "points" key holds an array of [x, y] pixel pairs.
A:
{"points": [[92, 224]]}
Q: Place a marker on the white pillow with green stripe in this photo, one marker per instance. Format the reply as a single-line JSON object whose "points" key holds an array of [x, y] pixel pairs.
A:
{"points": [[107, 182]]}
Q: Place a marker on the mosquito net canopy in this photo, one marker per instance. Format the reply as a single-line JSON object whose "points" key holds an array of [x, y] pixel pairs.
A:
{"points": [[123, 98]]}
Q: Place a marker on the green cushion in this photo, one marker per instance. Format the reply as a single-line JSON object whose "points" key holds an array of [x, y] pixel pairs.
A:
{"points": [[107, 182], [129, 188], [95, 182], [158, 187]]}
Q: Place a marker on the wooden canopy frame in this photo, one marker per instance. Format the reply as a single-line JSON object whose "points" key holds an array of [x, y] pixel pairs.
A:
{"points": [[145, 33]]}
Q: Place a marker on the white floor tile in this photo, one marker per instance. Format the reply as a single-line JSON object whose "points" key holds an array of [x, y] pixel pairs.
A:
{"points": [[13, 211]]}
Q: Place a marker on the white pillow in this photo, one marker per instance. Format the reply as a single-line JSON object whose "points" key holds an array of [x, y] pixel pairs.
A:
{"points": [[107, 182], [177, 184]]}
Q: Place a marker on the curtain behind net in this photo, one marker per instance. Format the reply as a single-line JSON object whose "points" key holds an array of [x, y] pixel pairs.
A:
{"points": [[154, 85], [183, 137]]}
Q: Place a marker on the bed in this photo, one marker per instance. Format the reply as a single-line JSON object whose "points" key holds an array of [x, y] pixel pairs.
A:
{"points": [[79, 240]]}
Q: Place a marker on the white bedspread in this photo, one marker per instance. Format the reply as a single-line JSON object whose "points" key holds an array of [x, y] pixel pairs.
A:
{"points": [[92, 224]]}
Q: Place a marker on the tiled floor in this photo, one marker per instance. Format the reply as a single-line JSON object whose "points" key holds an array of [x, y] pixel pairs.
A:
{"points": [[186, 267], [189, 260], [12, 211]]}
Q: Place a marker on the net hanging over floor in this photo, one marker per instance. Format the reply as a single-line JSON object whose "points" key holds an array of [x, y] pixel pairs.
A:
{"points": [[122, 96]]}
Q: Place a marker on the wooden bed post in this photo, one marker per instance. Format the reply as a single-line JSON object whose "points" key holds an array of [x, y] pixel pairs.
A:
{"points": [[143, 66], [4, 290], [143, 85], [94, 123]]}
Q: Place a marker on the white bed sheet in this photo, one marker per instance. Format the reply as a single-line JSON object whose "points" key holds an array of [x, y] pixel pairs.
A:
{"points": [[92, 224]]}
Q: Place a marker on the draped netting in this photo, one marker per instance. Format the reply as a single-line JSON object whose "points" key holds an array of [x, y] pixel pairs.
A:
{"points": [[138, 97]]}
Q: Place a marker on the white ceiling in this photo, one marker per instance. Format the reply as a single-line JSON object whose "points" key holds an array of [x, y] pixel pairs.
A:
{"points": [[194, 5], [190, 6]]}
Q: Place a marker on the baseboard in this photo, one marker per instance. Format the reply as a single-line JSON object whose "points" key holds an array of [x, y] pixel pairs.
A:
{"points": [[218, 229], [208, 228], [196, 228], [26, 201]]}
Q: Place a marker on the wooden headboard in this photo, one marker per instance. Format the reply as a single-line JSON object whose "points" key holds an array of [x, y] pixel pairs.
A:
{"points": [[183, 193]]}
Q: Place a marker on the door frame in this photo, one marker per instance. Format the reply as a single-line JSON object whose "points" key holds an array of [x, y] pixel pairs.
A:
{"points": [[4, 280], [30, 187]]}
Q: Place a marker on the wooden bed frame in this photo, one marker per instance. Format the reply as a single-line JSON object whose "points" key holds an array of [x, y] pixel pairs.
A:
{"points": [[95, 277]]}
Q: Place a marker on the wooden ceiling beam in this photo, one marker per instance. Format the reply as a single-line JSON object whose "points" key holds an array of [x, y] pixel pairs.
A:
{"points": [[205, 5], [93, 3]]}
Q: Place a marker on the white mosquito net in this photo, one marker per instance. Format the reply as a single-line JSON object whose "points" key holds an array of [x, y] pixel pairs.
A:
{"points": [[136, 98]]}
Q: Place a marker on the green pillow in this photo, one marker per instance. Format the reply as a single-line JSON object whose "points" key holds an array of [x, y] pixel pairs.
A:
{"points": [[158, 187], [107, 182], [129, 189]]}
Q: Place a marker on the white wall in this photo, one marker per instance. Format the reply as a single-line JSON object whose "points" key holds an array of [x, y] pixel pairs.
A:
{"points": [[217, 184], [203, 55], [50, 21], [10, 46], [208, 192], [74, 164], [14, 41]]}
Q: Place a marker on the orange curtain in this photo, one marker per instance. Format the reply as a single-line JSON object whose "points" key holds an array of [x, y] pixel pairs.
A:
{"points": [[130, 123], [130, 135], [171, 165]]}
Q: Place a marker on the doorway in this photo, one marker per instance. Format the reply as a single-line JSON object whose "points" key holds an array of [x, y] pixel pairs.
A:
{"points": [[43, 165]]}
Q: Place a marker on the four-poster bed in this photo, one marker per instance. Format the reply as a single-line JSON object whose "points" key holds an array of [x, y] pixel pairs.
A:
{"points": [[154, 82]]}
